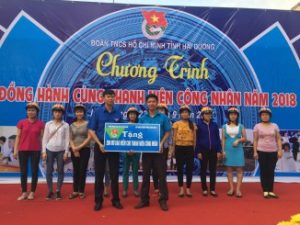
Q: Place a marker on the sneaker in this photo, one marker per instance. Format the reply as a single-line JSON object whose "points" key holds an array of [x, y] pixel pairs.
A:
{"points": [[141, 205], [58, 195], [136, 193], [163, 205], [49, 196], [117, 205]]}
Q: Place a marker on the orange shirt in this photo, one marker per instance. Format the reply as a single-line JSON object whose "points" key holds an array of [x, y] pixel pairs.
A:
{"points": [[184, 135]]}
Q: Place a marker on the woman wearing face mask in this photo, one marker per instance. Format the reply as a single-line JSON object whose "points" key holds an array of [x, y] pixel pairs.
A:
{"points": [[56, 147], [208, 149], [131, 159], [80, 155], [28, 147], [267, 149], [233, 135], [184, 138]]}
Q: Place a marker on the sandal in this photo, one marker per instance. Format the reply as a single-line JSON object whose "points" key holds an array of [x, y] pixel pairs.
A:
{"points": [[273, 195], [213, 193], [266, 195], [230, 193], [239, 195], [31, 196], [205, 193], [22, 197], [180, 195], [81, 195], [73, 195]]}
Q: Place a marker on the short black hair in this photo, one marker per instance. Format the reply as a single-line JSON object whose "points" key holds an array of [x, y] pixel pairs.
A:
{"points": [[108, 92], [3, 139], [152, 96], [12, 137]]}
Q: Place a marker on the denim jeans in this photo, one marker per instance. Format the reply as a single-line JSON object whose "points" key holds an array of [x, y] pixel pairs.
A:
{"points": [[51, 157]]}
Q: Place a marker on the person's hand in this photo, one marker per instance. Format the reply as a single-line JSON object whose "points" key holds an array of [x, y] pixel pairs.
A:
{"points": [[219, 155], [15, 155], [65, 156], [200, 156], [171, 154], [101, 148], [130, 152], [279, 154], [76, 154], [224, 155], [161, 148], [44, 156], [235, 143], [255, 155]]}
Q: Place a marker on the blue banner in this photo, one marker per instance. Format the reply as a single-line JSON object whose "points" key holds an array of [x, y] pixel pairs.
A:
{"points": [[132, 137]]}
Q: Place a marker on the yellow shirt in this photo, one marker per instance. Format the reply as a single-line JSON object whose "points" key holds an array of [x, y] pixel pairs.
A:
{"points": [[184, 135]]}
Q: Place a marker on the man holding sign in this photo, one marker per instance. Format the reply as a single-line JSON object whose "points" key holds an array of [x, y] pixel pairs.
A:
{"points": [[155, 161], [107, 113]]}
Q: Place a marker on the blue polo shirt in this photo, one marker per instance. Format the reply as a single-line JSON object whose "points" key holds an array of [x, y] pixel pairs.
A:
{"points": [[102, 116], [158, 118]]}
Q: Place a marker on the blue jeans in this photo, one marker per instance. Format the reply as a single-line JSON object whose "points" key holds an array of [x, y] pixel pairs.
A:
{"points": [[51, 157]]}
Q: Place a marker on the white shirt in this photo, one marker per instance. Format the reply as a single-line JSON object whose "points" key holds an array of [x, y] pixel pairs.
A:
{"points": [[232, 131], [60, 140]]}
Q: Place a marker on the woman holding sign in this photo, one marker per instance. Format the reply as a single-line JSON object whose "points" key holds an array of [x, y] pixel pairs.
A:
{"points": [[80, 154], [267, 149], [131, 159], [233, 135], [184, 137]]}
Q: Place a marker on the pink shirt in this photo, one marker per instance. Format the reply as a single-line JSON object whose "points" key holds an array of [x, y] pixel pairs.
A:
{"points": [[266, 137], [30, 135]]}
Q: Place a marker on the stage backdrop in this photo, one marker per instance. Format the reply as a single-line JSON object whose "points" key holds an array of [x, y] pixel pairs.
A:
{"points": [[68, 52]]}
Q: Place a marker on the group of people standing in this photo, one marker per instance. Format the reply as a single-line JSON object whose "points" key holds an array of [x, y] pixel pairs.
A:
{"points": [[56, 140]]}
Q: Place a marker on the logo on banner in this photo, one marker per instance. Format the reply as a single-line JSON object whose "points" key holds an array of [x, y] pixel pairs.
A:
{"points": [[114, 133], [154, 24]]}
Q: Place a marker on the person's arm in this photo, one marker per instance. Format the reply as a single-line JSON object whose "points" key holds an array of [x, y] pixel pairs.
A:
{"points": [[67, 141], [167, 128], [279, 144], [219, 145], [45, 141], [172, 149], [85, 142], [195, 136], [255, 140], [165, 137], [72, 145], [93, 136], [223, 142], [16, 147]]}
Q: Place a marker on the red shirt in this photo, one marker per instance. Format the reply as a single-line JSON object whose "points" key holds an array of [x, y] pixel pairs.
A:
{"points": [[30, 135]]}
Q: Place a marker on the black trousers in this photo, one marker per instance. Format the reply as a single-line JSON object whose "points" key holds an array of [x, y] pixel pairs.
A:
{"points": [[267, 163], [79, 169], [154, 174], [157, 163], [184, 157], [113, 162], [34, 157], [209, 159]]}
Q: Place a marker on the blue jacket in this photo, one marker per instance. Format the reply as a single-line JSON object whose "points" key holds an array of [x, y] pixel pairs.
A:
{"points": [[208, 137]]}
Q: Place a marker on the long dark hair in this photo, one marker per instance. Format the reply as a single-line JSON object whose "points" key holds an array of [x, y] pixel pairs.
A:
{"points": [[191, 125]]}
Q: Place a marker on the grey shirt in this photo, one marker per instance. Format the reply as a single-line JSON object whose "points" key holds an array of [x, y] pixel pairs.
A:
{"points": [[79, 133]]}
